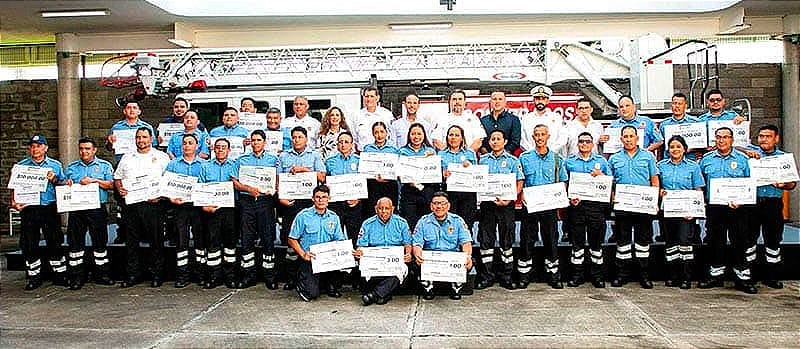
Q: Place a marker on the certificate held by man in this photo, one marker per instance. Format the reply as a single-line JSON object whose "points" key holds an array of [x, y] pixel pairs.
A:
{"points": [[167, 129], [443, 266], [253, 121], [330, 256], [141, 188], [218, 194], [636, 198], [297, 186], [383, 164], [273, 142], [695, 134], [126, 141], [177, 186], [77, 197], [260, 177], [382, 261], [499, 186], [737, 191], [683, 203], [468, 179], [28, 178], [545, 197], [420, 169], [586, 187], [774, 169], [741, 132], [350, 186]]}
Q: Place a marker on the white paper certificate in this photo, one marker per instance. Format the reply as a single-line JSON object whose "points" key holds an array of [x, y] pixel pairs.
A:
{"points": [[420, 169], [586, 187], [382, 261], [741, 132], [261, 177], [545, 197], [126, 141], [141, 188], [636, 198], [695, 134], [774, 169], [218, 194], [334, 255], [740, 191], [273, 143], [443, 266], [614, 143], [683, 203], [501, 186], [27, 197], [253, 121], [177, 186], [298, 186], [351, 186], [383, 164], [77, 197], [167, 130], [28, 178], [466, 179], [237, 145]]}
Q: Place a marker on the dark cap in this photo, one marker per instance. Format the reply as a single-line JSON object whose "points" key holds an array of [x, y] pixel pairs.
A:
{"points": [[37, 139]]}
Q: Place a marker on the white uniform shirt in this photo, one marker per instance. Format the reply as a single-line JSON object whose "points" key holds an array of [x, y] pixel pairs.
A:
{"points": [[555, 126], [307, 122], [467, 121], [362, 125], [134, 164], [575, 128]]}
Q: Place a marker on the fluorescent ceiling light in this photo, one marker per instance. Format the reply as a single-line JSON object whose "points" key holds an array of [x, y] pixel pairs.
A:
{"points": [[74, 13], [180, 42], [420, 26]]}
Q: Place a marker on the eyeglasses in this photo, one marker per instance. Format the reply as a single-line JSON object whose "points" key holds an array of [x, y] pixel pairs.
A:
{"points": [[585, 141], [714, 100]]}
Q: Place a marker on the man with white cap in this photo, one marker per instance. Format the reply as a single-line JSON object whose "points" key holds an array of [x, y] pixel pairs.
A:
{"points": [[543, 116]]}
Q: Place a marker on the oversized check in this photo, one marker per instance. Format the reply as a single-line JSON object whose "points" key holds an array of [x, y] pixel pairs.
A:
{"points": [[586, 187], [167, 130], [774, 169], [740, 191], [383, 164], [77, 197], [218, 194], [695, 134], [298, 186], [636, 198], [383, 261], [683, 203], [177, 186], [126, 141], [443, 266], [27, 197], [741, 132], [261, 177], [273, 142], [502, 186], [237, 145], [28, 178], [468, 179], [330, 256], [420, 169], [545, 197], [614, 143], [141, 188], [252, 121], [351, 186]]}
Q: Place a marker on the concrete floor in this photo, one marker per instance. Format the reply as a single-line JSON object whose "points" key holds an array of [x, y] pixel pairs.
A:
{"points": [[143, 317]]}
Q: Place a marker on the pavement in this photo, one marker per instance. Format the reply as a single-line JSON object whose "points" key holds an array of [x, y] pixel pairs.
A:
{"points": [[627, 317]]}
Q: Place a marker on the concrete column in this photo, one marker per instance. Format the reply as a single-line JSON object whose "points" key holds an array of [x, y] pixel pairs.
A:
{"points": [[791, 113], [69, 97]]}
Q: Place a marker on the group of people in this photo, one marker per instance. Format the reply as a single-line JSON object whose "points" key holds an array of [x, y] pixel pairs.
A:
{"points": [[537, 148]]}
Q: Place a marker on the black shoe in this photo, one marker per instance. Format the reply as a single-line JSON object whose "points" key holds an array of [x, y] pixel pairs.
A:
{"points": [[617, 282], [211, 284], [482, 284], [103, 280], [685, 285], [597, 283], [202, 283], [334, 293], [369, 298], [303, 296], [508, 285], [428, 295], [746, 287], [646, 284], [574, 283], [565, 238], [659, 238], [455, 296], [289, 286], [60, 281], [156, 282], [710, 283], [671, 283], [776, 284], [129, 282], [232, 284], [523, 283], [75, 285], [33, 283], [556, 284], [383, 300], [246, 282], [181, 283], [272, 285]]}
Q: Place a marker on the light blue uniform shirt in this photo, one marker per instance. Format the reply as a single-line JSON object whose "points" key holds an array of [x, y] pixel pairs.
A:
{"points": [[234, 131], [310, 228], [450, 157], [448, 235], [376, 233], [181, 166], [575, 163], [175, 146], [767, 191], [651, 133], [672, 121], [505, 163], [251, 159], [307, 158], [636, 169], [214, 171], [49, 195], [726, 115], [685, 175], [339, 164], [714, 165], [386, 148], [542, 169], [123, 125], [97, 168]]}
